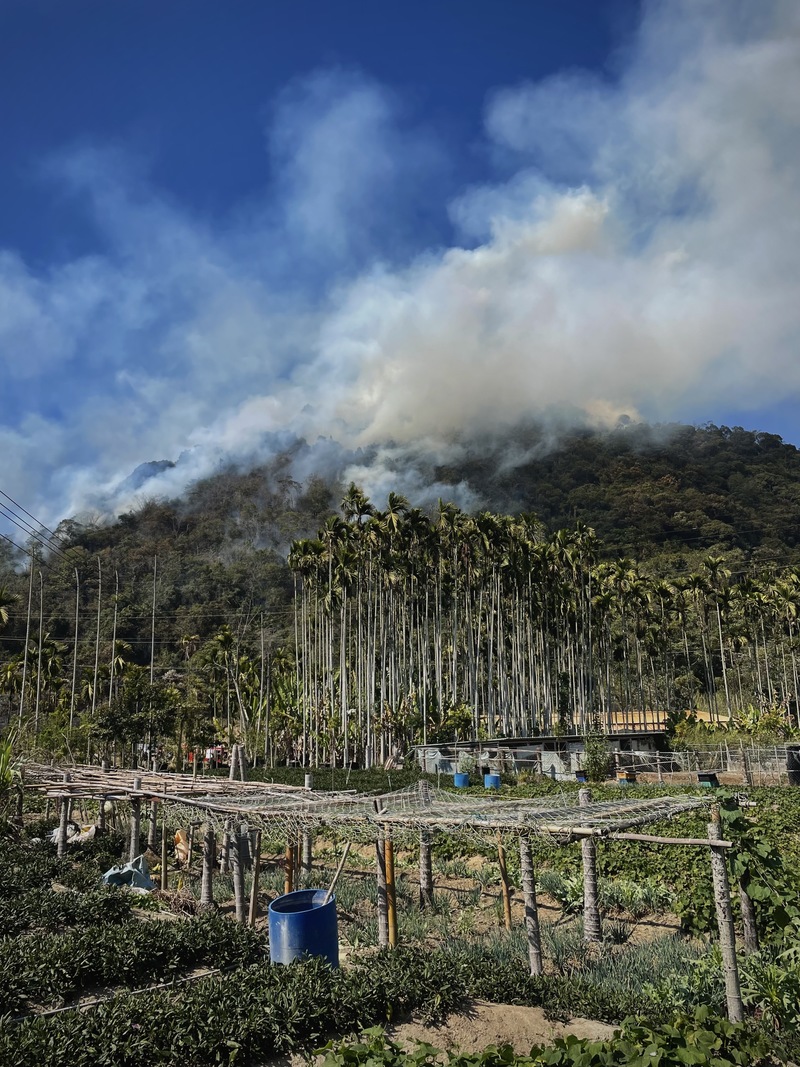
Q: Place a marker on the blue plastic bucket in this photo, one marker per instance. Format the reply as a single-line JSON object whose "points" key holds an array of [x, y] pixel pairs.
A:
{"points": [[491, 781], [301, 925], [461, 781]]}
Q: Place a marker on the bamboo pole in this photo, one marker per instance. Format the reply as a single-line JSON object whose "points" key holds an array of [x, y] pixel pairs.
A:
{"points": [[531, 907], [209, 862], [391, 891], [425, 870], [592, 930], [727, 932], [256, 875], [504, 886]]}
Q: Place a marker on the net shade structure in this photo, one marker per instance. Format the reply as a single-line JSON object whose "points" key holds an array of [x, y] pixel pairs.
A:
{"points": [[289, 811], [232, 811]]}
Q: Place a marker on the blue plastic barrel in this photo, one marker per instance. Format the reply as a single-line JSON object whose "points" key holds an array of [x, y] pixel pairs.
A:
{"points": [[461, 781], [301, 925], [491, 781]]}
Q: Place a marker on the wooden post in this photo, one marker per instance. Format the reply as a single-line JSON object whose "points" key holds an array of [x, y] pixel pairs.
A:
{"points": [[18, 820], [288, 879], [151, 826], [256, 874], [749, 925], [504, 887], [425, 870], [391, 892], [225, 854], [136, 822], [383, 912], [531, 908], [746, 770], [164, 855], [245, 853], [62, 826], [592, 930], [209, 862], [190, 846], [238, 875], [101, 815], [307, 856], [727, 933], [234, 759], [242, 761]]}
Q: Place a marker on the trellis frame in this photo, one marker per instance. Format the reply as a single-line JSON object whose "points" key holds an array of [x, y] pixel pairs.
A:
{"points": [[412, 816]]}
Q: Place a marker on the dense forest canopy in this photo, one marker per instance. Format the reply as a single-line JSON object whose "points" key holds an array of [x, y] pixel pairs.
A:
{"points": [[603, 575]]}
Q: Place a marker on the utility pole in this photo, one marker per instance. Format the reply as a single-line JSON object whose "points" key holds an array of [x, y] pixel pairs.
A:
{"points": [[75, 651], [113, 638], [153, 623], [97, 638], [27, 635], [39, 658]]}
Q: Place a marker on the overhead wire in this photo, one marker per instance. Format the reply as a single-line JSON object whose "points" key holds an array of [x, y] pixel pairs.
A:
{"points": [[27, 529]]}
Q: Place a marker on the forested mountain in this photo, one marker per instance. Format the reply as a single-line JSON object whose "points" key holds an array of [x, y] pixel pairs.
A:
{"points": [[672, 585], [645, 488]]}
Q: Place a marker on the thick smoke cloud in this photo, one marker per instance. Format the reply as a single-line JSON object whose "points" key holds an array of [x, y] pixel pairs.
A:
{"points": [[636, 251]]}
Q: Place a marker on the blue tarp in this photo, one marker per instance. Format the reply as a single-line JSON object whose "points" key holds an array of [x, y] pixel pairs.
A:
{"points": [[135, 874]]}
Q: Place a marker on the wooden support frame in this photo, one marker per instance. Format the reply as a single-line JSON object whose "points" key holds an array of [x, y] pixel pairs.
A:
{"points": [[425, 870], [164, 852], [505, 889], [253, 912], [209, 863], [136, 823], [288, 877], [382, 904], [391, 891], [592, 927], [727, 931], [237, 870], [531, 907]]}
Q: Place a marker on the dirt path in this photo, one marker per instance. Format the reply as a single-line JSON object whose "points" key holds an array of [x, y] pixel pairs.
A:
{"points": [[482, 1024]]}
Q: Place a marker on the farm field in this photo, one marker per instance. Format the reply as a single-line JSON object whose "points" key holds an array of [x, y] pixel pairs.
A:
{"points": [[131, 970]]}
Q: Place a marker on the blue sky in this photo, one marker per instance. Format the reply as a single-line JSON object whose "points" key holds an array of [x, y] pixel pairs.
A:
{"points": [[222, 224]]}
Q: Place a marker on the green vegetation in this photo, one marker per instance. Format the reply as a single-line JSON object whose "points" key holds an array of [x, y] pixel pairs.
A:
{"points": [[666, 993]]}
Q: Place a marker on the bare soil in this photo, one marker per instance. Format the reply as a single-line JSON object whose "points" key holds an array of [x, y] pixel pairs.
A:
{"points": [[482, 1024]]}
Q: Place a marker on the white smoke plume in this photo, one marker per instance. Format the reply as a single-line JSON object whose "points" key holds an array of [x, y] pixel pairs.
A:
{"points": [[636, 251]]}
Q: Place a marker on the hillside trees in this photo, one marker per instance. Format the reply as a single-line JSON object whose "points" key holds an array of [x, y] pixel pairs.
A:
{"points": [[676, 587]]}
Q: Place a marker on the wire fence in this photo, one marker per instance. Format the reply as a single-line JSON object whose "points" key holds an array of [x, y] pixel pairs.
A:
{"points": [[732, 764]]}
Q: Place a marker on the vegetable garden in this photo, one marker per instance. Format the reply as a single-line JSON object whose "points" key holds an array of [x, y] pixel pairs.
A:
{"points": [[94, 975]]}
